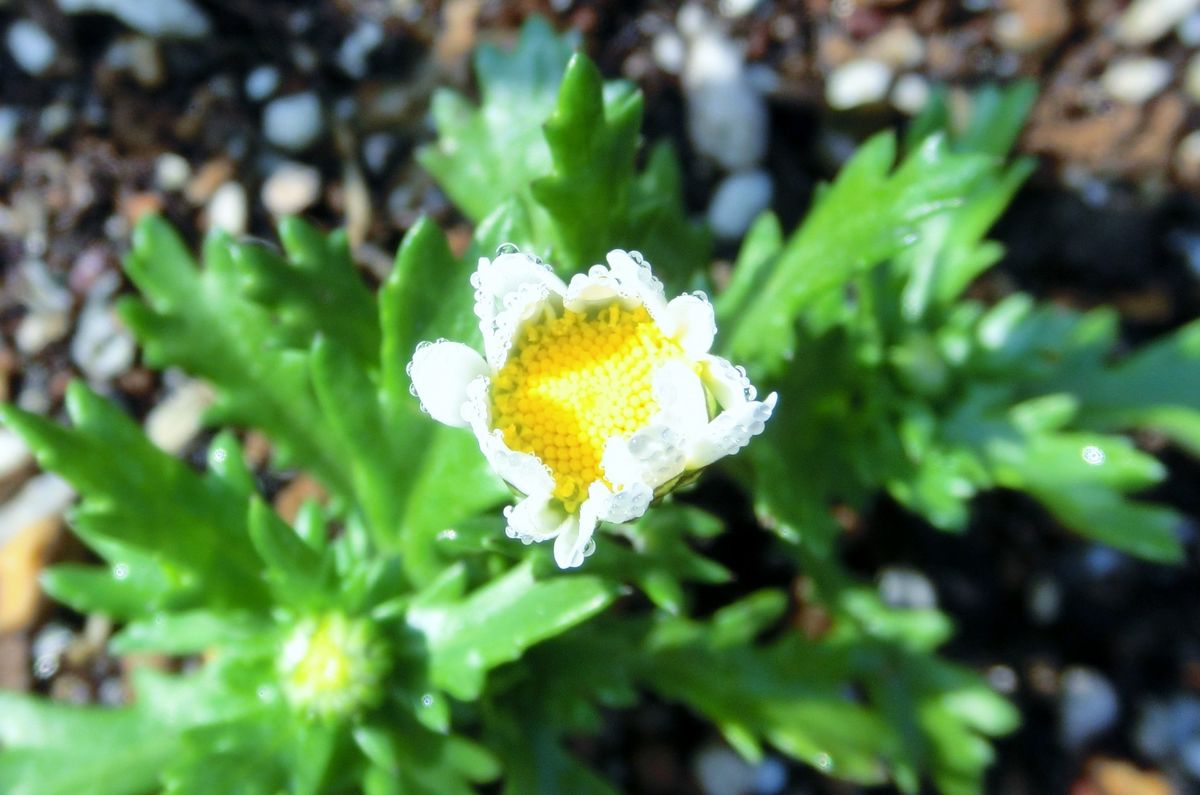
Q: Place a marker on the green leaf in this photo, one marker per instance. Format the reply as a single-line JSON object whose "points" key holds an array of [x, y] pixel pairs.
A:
{"points": [[189, 632], [201, 321], [315, 289], [153, 505], [868, 214], [465, 637], [592, 136], [483, 156]]}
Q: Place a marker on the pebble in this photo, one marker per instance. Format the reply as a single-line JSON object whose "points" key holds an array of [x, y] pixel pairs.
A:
{"points": [[22, 558], [10, 125], [377, 149], [262, 82], [911, 93], [669, 51], [863, 81], [228, 209], [1191, 78], [102, 347], [1031, 24], [1188, 30], [1168, 732], [907, 588], [1044, 599], [899, 46], [55, 118], [1146, 21], [41, 328], [291, 188], [721, 771], [737, 201], [157, 18], [1135, 79], [357, 48], [727, 117], [175, 421], [30, 46], [42, 496], [15, 455], [172, 172], [138, 55], [737, 8], [1187, 163], [293, 122], [1088, 706]]}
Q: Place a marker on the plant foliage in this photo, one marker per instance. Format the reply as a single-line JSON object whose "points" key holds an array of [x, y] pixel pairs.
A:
{"points": [[392, 640]]}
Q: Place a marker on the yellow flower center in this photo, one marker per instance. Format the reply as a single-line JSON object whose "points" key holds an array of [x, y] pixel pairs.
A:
{"points": [[574, 381]]}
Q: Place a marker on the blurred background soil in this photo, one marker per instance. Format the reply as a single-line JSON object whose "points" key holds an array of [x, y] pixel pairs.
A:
{"points": [[229, 113]]}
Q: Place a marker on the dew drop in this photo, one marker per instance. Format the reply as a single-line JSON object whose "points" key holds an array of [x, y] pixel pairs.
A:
{"points": [[824, 762], [427, 700], [1093, 455], [219, 455], [507, 248], [637, 257], [120, 571]]}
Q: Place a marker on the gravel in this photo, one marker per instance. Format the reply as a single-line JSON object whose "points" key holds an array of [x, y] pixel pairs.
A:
{"points": [[294, 122], [1136, 79], [737, 201], [863, 81], [158, 18], [31, 47]]}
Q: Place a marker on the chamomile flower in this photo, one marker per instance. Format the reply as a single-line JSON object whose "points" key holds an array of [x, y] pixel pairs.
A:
{"points": [[592, 398]]}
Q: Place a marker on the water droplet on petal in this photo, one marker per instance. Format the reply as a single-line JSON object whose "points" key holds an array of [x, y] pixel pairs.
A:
{"points": [[637, 257], [507, 248]]}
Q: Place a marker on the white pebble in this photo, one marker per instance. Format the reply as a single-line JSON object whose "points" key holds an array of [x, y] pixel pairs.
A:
{"points": [[30, 46], [911, 93], [1146, 21], [1191, 78], [737, 8], [669, 52], [56, 118], [1188, 30], [900, 47], [15, 455], [262, 82], [139, 56], [1088, 706], [10, 125], [377, 148], [1187, 160], [39, 329], [291, 188], [158, 18], [227, 209], [1136, 79], [721, 771], [42, 496], [862, 81], [727, 117], [692, 20], [172, 172], [102, 347], [906, 588], [357, 47], [293, 122], [175, 421], [737, 201]]}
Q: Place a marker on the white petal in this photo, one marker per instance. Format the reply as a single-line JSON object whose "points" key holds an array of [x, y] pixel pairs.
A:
{"points": [[623, 505], [440, 373], [690, 320], [636, 280], [730, 431], [729, 384], [596, 288], [682, 403], [652, 456], [535, 518], [574, 542], [509, 290], [525, 472]]}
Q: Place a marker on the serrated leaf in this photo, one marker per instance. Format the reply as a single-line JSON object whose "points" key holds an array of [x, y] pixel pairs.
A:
{"points": [[495, 624]]}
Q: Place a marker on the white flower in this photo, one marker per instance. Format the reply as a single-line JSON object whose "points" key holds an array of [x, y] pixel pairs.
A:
{"points": [[592, 398]]}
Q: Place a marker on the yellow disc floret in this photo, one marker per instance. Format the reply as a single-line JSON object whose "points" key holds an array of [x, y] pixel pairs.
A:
{"points": [[572, 382]]}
